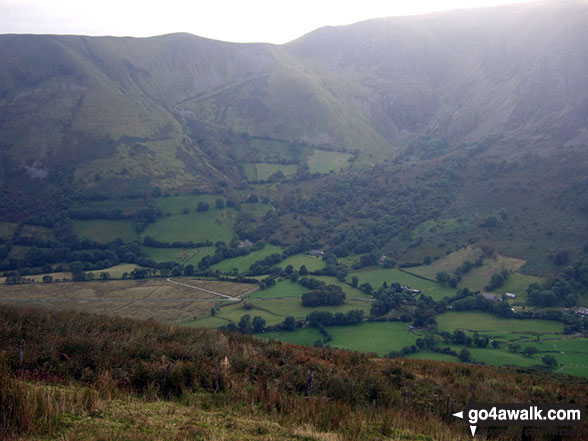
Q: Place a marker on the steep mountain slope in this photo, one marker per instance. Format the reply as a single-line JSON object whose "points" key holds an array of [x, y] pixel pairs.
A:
{"points": [[467, 74], [129, 111]]}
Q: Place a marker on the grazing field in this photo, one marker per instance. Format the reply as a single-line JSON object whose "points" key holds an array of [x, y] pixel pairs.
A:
{"points": [[378, 337], [447, 263], [105, 230], [182, 255], [349, 291], [377, 277], [284, 288], [213, 225], [311, 263], [274, 310], [7, 230], [177, 204], [257, 210], [487, 323], [242, 263], [261, 171], [303, 336], [478, 278], [324, 161], [145, 299], [517, 283]]}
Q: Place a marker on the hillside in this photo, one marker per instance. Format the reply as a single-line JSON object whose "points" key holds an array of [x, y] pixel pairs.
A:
{"points": [[164, 109], [88, 377], [451, 129]]}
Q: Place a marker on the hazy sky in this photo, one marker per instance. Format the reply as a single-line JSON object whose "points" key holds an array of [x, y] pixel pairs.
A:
{"points": [[270, 21]]}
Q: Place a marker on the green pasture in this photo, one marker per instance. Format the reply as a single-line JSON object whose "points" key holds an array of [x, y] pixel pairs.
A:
{"points": [[7, 229], [274, 311], [297, 260], [350, 291], [261, 171], [284, 288], [213, 225], [323, 161], [242, 263], [256, 210], [517, 283], [490, 324], [477, 278], [448, 263], [185, 256], [176, 204], [377, 277], [302, 336], [101, 230], [378, 337]]}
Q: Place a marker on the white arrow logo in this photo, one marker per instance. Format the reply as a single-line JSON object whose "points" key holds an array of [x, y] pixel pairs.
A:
{"points": [[472, 428]]}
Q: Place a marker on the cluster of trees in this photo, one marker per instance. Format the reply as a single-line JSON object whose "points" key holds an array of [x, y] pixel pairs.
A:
{"points": [[497, 280], [330, 295], [148, 241], [326, 318], [565, 289]]}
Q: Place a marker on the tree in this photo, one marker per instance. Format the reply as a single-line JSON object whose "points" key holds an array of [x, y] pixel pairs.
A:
{"points": [[213, 311], [105, 275], [202, 206], [258, 324], [561, 258], [289, 323], [549, 361], [530, 350], [303, 271], [219, 203], [465, 355], [354, 281], [443, 278], [245, 323], [47, 279]]}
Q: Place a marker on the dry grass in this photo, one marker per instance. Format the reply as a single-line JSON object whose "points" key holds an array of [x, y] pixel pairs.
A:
{"points": [[144, 299]]}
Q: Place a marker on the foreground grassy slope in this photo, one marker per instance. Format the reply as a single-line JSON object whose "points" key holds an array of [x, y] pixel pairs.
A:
{"points": [[144, 381]]}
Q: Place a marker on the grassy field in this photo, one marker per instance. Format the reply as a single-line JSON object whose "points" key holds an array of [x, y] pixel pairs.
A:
{"points": [[378, 337], [145, 299], [181, 255], [211, 225], [176, 204], [377, 277], [260, 171], [285, 288], [242, 263], [487, 323], [517, 283], [478, 278], [349, 291], [448, 263], [105, 230], [323, 161], [274, 310], [311, 263], [256, 210], [7, 230]]}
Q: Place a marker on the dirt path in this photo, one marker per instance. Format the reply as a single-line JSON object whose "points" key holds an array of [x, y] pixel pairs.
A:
{"points": [[225, 296]]}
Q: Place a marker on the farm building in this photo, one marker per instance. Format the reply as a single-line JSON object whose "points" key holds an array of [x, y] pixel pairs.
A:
{"points": [[490, 296], [510, 295], [316, 253], [246, 244], [582, 311]]}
